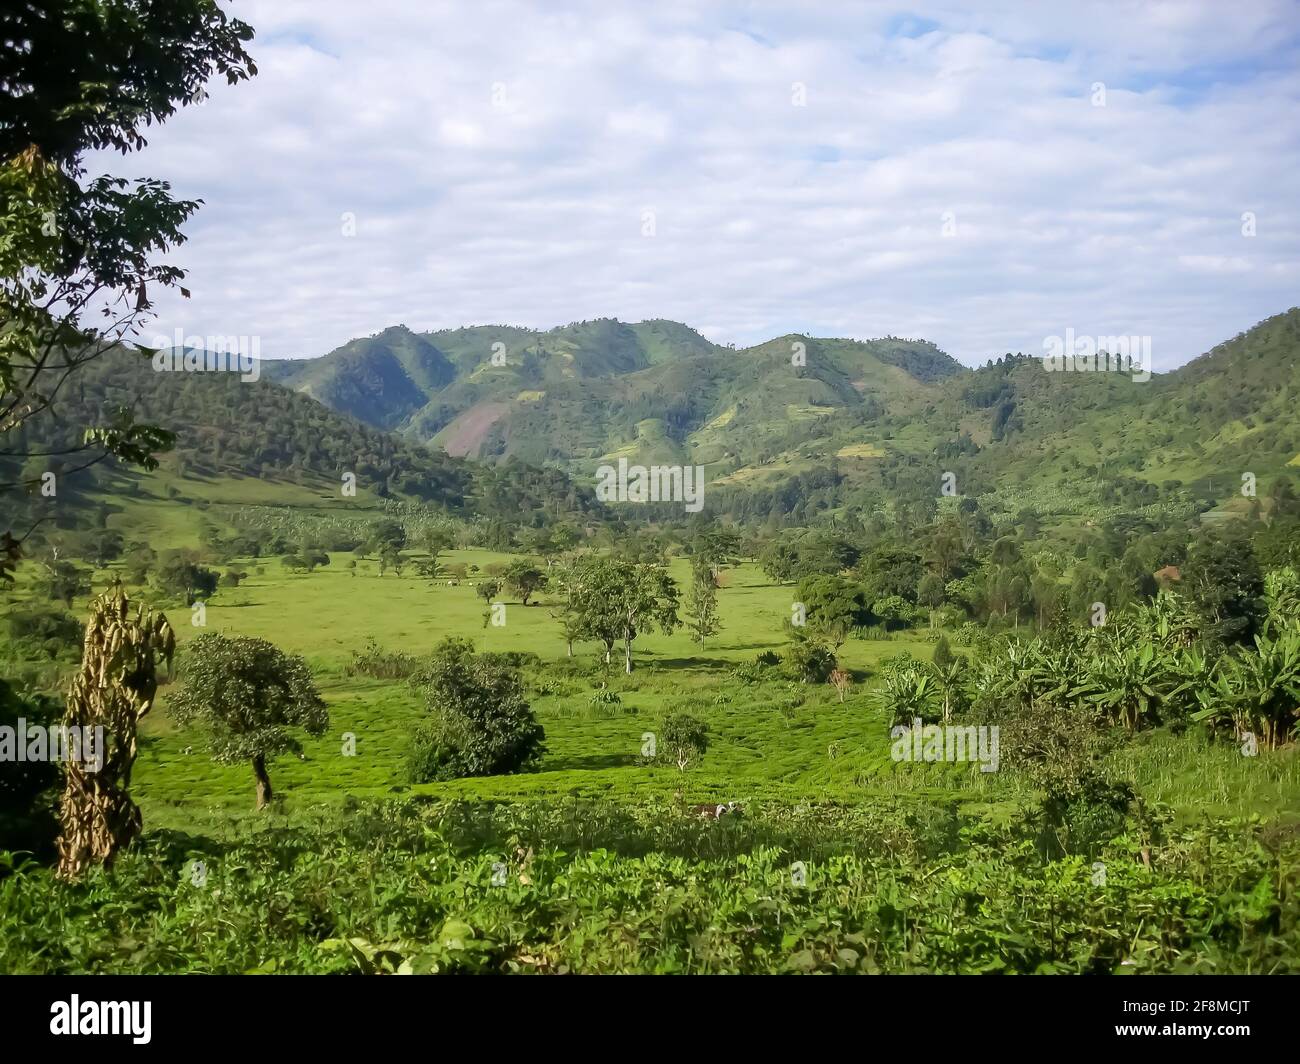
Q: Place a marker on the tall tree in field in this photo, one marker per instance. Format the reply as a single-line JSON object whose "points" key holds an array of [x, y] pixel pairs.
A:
{"points": [[112, 690], [702, 605], [61, 581], [524, 580], [435, 539], [78, 269], [567, 577], [619, 599], [1223, 578], [487, 590], [246, 693]]}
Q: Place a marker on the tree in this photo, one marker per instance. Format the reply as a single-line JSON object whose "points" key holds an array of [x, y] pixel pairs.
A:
{"points": [[778, 560], [113, 689], [562, 538], [487, 590], [390, 558], [929, 593], [893, 611], [834, 606], [682, 740], [891, 571], [1223, 579], [245, 693], [434, 539], [524, 579], [841, 680], [715, 548], [386, 535], [943, 654], [480, 723], [61, 581], [949, 674], [619, 599], [105, 545], [76, 278], [568, 577], [180, 576], [702, 606]]}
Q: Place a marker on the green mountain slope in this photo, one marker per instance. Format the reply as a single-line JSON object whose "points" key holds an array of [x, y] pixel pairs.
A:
{"points": [[588, 389], [836, 420], [249, 442], [379, 379]]}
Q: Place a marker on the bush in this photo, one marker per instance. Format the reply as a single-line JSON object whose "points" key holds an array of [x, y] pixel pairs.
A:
{"points": [[809, 662], [512, 659], [381, 664], [748, 673], [45, 633], [480, 723], [28, 789], [943, 654]]}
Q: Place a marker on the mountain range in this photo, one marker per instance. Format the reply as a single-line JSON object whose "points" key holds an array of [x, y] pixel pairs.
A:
{"points": [[586, 393], [514, 422]]}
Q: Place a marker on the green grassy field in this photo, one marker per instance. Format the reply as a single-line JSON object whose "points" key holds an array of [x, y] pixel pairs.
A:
{"points": [[354, 869], [762, 746], [769, 741]]}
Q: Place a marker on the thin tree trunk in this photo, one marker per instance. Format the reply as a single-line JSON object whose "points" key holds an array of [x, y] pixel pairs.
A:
{"points": [[263, 782], [627, 655]]}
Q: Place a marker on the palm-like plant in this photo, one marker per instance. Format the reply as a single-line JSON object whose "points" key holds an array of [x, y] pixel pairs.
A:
{"points": [[908, 693], [1259, 692], [1198, 673], [949, 679], [1169, 620], [1128, 684]]}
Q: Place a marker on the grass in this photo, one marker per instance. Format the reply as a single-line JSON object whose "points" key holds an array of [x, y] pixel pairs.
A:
{"points": [[762, 746], [769, 741], [362, 871]]}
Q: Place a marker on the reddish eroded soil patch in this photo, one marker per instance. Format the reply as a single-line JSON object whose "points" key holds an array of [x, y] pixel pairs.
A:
{"points": [[465, 435]]}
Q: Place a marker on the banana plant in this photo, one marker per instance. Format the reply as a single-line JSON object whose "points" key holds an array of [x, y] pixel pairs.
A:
{"points": [[907, 694], [1259, 692], [1128, 684], [949, 679]]}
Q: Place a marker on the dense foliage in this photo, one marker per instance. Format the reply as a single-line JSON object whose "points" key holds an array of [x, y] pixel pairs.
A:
{"points": [[619, 887]]}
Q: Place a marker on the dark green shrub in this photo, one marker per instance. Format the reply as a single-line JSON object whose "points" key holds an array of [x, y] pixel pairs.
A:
{"points": [[28, 789], [480, 724]]}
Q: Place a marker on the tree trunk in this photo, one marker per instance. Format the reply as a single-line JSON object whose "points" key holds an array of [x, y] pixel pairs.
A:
{"points": [[263, 782], [627, 655], [570, 654]]}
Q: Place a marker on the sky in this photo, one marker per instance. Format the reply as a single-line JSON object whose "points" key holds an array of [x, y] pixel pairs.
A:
{"points": [[980, 180]]}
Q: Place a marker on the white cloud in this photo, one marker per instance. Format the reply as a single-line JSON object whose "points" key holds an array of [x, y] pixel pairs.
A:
{"points": [[497, 158]]}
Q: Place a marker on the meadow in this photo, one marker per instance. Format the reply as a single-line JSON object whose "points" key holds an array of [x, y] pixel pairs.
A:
{"points": [[839, 858], [772, 740]]}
